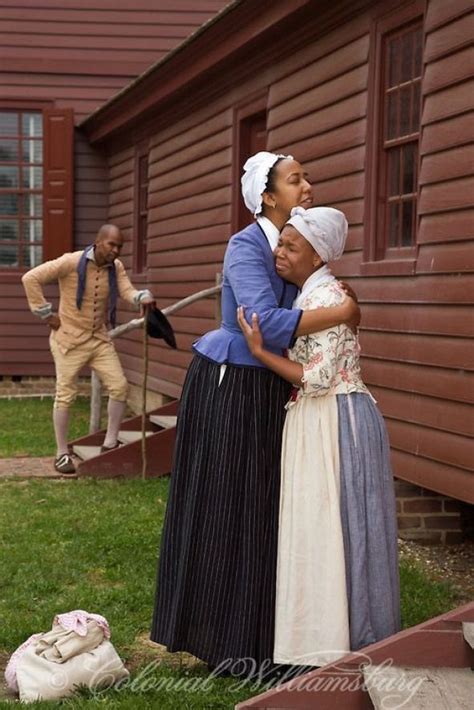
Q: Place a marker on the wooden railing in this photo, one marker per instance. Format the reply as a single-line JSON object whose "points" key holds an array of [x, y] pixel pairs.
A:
{"points": [[96, 394]]}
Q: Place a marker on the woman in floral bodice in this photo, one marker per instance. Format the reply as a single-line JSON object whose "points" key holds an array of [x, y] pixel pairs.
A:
{"points": [[337, 574]]}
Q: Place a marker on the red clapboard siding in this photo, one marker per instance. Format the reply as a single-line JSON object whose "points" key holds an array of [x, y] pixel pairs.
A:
{"points": [[448, 102], [449, 195], [326, 67], [453, 36], [387, 317], [439, 12], [445, 258], [342, 163], [441, 446], [80, 54], [168, 142], [451, 481], [447, 165], [337, 114], [447, 226], [91, 192], [426, 411], [349, 83], [432, 381], [419, 349], [448, 70]]}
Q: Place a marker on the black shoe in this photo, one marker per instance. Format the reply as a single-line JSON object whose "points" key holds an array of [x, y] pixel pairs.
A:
{"points": [[64, 464], [104, 449]]}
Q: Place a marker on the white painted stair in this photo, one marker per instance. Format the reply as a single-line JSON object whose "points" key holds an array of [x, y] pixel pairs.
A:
{"points": [[418, 688], [165, 421], [468, 633], [128, 437], [85, 452]]}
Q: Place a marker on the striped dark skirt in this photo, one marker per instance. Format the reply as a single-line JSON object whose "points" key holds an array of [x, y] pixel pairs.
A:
{"points": [[216, 579]]}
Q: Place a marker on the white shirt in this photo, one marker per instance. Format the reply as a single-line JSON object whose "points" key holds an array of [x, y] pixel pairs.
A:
{"points": [[271, 232]]}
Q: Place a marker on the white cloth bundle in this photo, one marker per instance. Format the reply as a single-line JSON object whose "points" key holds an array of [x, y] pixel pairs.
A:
{"points": [[76, 651], [40, 679]]}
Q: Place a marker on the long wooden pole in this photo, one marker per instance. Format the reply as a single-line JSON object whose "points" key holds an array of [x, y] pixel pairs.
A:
{"points": [[144, 389]]}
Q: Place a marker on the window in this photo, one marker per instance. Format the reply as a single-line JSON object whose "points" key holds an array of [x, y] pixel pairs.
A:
{"points": [[21, 189], [401, 108], [393, 141], [141, 210]]}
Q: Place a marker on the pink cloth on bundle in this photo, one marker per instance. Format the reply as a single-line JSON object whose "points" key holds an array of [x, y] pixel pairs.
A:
{"points": [[10, 670], [77, 621]]}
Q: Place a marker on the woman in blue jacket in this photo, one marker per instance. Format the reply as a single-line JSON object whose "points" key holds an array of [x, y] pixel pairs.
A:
{"points": [[216, 576]]}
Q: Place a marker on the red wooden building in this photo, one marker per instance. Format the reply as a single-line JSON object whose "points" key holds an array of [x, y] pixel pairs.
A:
{"points": [[374, 97]]}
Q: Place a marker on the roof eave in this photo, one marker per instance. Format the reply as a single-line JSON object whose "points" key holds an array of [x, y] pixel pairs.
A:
{"points": [[210, 45]]}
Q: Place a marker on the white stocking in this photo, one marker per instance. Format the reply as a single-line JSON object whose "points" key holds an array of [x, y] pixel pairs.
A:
{"points": [[61, 424], [115, 412]]}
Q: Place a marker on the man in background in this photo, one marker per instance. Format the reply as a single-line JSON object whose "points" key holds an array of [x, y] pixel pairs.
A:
{"points": [[90, 281]]}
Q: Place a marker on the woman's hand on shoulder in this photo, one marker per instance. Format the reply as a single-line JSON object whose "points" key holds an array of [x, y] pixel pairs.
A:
{"points": [[351, 313], [348, 290], [252, 333]]}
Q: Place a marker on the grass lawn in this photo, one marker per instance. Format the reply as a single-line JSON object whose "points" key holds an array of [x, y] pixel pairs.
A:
{"points": [[92, 545], [26, 427]]}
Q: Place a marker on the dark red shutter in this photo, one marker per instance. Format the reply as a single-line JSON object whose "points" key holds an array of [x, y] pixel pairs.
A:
{"points": [[58, 182]]}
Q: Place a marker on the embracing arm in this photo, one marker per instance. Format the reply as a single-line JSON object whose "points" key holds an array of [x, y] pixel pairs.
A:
{"points": [[287, 369], [324, 318]]}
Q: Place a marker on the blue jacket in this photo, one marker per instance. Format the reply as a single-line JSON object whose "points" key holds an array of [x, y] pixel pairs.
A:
{"points": [[250, 280]]}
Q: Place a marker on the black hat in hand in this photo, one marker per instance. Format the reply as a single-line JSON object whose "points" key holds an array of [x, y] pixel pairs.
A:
{"points": [[158, 326]]}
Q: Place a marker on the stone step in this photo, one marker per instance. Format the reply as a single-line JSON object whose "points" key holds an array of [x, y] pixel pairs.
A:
{"points": [[419, 688], [164, 420], [128, 437]]}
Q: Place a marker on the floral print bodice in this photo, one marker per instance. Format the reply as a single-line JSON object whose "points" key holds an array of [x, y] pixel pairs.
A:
{"points": [[330, 358]]}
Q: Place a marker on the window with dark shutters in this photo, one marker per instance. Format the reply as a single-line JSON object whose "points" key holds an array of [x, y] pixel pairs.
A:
{"points": [[35, 186], [393, 141]]}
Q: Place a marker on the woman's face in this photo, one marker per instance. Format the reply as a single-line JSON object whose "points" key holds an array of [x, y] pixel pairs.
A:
{"points": [[290, 189], [295, 258]]}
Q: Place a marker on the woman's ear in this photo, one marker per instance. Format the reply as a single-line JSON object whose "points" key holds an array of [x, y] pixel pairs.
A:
{"points": [[268, 199], [317, 261]]}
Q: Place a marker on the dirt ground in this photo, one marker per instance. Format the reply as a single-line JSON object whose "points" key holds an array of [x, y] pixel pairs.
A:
{"points": [[445, 563], [28, 467]]}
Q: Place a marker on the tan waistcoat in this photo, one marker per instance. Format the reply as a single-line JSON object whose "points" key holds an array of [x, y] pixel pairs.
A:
{"points": [[77, 326]]}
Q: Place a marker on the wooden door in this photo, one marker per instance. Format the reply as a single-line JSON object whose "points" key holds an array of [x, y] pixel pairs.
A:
{"points": [[253, 138]]}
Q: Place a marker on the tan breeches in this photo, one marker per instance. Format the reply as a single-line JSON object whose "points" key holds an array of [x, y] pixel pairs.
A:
{"points": [[101, 357]]}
